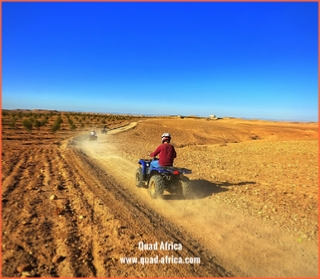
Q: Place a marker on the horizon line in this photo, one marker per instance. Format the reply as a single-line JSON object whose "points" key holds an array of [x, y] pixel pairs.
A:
{"points": [[168, 115]]}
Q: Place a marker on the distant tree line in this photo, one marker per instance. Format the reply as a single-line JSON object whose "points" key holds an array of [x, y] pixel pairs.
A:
{"points": [[35, 120]]}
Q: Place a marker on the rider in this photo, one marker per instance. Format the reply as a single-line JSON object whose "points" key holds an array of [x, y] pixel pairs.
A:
{"points": [[93, 133], [166, 152]]}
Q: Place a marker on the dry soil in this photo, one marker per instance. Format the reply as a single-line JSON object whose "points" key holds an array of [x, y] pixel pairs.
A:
{"points": [[70, 207]]}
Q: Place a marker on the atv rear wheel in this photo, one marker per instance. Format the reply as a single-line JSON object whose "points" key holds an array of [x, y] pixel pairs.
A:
{"points": [[186, 187], [139, 178], [156, 186]]}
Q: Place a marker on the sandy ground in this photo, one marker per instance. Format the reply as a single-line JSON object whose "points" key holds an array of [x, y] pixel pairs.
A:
{"points": [[70, 207]]}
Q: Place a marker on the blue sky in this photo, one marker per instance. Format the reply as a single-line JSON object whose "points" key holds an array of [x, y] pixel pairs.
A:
{"points": [[249, 59]]}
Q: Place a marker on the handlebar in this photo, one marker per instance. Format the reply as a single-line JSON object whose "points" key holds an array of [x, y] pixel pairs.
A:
{"points": [[154, 157]]}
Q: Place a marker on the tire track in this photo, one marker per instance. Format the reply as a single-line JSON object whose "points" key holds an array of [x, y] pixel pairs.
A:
{"points": [[11, 178], [69, 255], [25, 234], [34, 233]]}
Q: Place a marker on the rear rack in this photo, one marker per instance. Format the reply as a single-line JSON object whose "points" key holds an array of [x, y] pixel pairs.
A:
{"points": [[172, 169]]}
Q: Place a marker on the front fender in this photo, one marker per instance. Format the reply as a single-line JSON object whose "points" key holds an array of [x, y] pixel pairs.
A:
{"points": [[143, 166]]}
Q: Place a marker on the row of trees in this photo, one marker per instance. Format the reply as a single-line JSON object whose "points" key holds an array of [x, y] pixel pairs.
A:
{"points": [[32, 121], [29, 123], [78, 117]]}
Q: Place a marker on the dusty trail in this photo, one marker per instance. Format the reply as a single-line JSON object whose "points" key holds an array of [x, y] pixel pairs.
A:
{"points": [[150, 228], [241, 244]]}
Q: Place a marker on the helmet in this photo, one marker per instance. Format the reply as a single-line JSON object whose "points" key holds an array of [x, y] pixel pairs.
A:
{"points": [[165, 137]]}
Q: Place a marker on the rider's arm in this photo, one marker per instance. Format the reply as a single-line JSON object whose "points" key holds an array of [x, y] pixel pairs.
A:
{"points": [[155, 153], [174, 153]]}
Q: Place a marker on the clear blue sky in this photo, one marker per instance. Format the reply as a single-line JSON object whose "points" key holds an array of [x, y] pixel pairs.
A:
{"points": [[253, 60]]}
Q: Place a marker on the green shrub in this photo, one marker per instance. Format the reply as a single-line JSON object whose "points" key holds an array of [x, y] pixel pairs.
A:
{"points": [[37, 124], [55, 127], [59, 119], [12, 123], [72, 126], [57, 124], [27, 124], [45, 121]]}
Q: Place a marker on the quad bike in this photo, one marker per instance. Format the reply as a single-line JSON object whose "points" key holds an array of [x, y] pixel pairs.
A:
{"points": [[171, 179], [92, 137]]}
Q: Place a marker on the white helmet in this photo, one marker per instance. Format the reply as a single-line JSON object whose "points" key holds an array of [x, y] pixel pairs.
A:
{"points": [[165, 137]]}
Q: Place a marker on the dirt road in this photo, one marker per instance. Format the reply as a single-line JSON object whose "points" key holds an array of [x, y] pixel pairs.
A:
{"points": [[70, 208], [242, 245]]}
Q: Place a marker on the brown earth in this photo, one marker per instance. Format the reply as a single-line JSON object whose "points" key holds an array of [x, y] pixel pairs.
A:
{"points": [[70, 207]]}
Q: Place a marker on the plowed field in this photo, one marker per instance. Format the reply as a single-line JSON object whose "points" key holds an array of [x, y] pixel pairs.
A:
{"points": [[70, 207]]}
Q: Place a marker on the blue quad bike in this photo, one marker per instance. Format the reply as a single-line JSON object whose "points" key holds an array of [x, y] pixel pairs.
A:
{"points": [[171, 179]]}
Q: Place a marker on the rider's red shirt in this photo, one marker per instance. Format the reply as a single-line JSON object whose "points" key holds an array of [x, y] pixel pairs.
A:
{"points": [[166, 152]]}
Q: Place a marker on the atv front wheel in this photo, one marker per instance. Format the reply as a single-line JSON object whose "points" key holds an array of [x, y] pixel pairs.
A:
{"points": [[156, 186], [139, 178]]}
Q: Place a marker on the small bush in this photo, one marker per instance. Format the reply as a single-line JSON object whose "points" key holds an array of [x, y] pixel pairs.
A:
{"points": [[27, 124], [46, 120], [72, 126], [56, 125], [12, 123], [59, 119], [37, 124]]}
